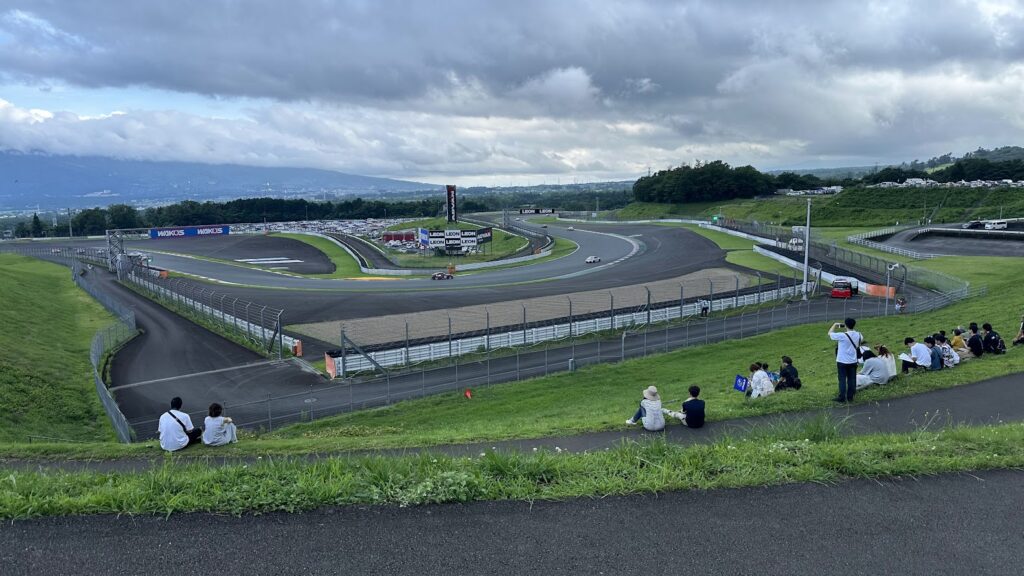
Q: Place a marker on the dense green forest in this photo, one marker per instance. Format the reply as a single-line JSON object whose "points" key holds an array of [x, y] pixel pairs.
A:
{"points": [[717, 181]]}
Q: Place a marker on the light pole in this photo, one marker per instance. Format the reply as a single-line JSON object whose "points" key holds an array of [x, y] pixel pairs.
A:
{"points": [[807, 246], [888, 272]]}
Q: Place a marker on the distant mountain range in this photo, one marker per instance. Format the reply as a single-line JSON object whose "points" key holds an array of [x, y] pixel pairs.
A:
{"points": [[56, 182]]}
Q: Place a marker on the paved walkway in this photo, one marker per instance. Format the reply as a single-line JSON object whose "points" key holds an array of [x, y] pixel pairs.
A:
{"points": [[993, 401], [951, 524]]}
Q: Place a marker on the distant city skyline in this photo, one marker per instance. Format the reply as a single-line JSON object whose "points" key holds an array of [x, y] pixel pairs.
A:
{"points": [[483, 93]]}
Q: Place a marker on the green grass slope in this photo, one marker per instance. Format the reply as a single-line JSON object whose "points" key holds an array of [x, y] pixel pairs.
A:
{"points": [[46, 385]]}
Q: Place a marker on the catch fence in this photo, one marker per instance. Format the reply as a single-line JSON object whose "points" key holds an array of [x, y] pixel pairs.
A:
{"points": [[451, 333], [256, 324], [104, 342]]}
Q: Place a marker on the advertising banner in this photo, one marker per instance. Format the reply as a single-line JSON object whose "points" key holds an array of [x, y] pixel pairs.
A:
{"points": [[536, 210], [436, 242], [469, 241], [189, 231], [451, 207], [484, 235], [453, 242], [424, 237], [453, 233]]}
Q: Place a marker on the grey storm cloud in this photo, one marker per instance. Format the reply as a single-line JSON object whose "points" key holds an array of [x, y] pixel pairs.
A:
{"points": [[534, 87]]}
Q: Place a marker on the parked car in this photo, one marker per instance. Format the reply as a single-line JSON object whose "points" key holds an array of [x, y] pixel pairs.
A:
{"points": [[841, 288], [593, 259], [973, 225], [995, 225], [441, 276]]}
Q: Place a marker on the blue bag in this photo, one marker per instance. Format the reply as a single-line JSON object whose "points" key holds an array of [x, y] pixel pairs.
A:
{"points": [[741, 384]]}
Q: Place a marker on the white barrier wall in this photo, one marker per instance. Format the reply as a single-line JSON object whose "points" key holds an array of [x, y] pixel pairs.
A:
{"points": [[529, 336]]}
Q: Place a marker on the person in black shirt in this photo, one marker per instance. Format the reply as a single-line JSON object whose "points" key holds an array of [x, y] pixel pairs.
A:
{"points": [[1020, 334], [975, 343], [989, 338], [789, 377], [693, 409]]}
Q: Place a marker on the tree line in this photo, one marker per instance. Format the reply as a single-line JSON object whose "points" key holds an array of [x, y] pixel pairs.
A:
{"points": [[96, 221], [714, 181]]}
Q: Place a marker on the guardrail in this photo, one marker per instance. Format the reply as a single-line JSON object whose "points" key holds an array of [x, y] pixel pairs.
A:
{"points": [[865, 239], [105, 341]]}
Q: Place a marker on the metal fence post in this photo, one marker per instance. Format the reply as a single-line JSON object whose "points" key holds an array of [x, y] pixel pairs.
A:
{"points": [[680, 301], [407, 343], [736, 298], [648, 315], [611, 310], [711, 295], [758, 288], [524, 335], [450, 347]]}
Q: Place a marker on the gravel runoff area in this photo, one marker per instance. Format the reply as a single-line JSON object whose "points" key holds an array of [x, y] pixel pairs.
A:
{"points": [[433, 323], [949, 524]]}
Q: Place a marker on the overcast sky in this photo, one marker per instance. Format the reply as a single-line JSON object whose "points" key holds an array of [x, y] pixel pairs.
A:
{"points": [[519, 92]]}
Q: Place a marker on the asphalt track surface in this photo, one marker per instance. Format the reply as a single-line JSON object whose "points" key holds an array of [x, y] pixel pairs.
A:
{"points": [[955, 246], [666, 253], [949, 524], [248, 246], [171, 347]]}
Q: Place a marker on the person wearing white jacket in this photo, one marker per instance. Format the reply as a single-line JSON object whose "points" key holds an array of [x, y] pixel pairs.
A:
{"points": [[649, 412], [760, 382]]}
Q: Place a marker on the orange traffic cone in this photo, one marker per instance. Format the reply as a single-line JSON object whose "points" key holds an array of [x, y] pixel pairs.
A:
{"points": [[468, 394]]}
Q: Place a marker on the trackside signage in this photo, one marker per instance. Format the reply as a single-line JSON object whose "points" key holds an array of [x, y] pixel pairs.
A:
{"points": [[189, 231], [536, 210]]}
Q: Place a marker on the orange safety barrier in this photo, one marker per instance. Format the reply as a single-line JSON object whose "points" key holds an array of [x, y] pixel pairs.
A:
{"points": [[876, 290]]}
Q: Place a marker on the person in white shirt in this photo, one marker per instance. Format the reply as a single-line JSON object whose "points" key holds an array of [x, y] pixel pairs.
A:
{"points": [[176, 430], [218, 430], [847, 350], [649, 413], [760, 383], [920, 355]]}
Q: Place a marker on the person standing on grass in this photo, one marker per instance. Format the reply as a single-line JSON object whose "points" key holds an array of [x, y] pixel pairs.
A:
{"points": [[176, 430], [219, 430], [649, 412], [847, 353]]}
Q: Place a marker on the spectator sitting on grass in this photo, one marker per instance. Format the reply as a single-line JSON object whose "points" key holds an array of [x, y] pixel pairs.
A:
{"points": [[949, 356], [890, 362], [176, 430], [975, 344], [693, 410], [1020, 333], [649, 412], [919, 357], [220, 430], [760, 383], [958, 343], [990, 339], [789, 377], [874, 371], [934, 353]]}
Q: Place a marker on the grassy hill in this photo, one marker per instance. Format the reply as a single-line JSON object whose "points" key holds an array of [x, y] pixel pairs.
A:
{"points": [[46, 386], [854, 207]]}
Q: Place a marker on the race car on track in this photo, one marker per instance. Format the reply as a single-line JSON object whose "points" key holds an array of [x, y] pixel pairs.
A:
{"points": [[593, 259], [441, 276]]}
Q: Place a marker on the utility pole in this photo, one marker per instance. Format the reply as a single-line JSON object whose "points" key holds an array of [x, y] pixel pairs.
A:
{"points": [[70, 233], [807, 245]]}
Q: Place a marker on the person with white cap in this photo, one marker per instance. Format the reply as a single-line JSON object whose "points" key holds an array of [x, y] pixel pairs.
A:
{"points": [[649, 412]]}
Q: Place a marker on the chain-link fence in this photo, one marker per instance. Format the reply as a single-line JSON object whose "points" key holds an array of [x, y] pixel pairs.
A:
{"points": [[234, 317], [404, 340], [570, 352], [104, 342], [863, 266]]}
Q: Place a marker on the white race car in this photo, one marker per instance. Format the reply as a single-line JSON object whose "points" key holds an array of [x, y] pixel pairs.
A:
{"points": [[593, 259]]}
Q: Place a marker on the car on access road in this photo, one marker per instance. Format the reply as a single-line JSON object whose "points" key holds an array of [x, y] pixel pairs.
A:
{"points": [[441, 276], [570, 228], [593, 259], [973, 225], [841, 288]]}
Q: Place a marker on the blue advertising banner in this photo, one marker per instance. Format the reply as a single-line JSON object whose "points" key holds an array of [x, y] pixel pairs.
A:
{"points": [[189, 231], [424, 237]]}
